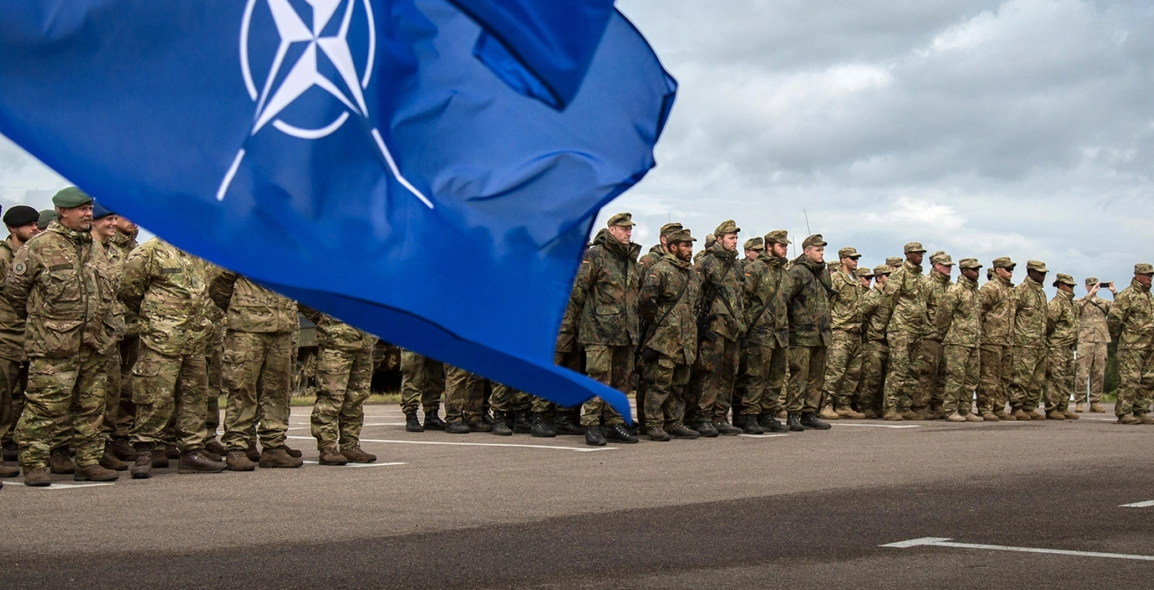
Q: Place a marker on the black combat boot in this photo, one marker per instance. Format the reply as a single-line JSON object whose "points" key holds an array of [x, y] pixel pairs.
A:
{"points": [[564, 424], [769, 423], [752, 427], [793, 422], [706, 429], [810, 420], [739, 420], [481, 425], [433, 421], [142, 467], [412, 424], [540, 427], [593, 436], [11, 451], [455, 427], [726, 429], [487, 418], [521, 423], [500, 425], [618, 433]]}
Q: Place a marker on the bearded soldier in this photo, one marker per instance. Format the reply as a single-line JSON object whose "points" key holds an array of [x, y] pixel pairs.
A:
{"points": [[810, 335], [21, 222], [767, 350]]}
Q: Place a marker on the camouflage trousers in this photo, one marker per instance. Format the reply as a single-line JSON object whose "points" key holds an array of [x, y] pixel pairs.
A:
{"points": [[256, 370], [213, 358], [62, 394], [464, 395], [611, 365], [1029, 374], [711, 381], [507, 399], [930, 390], [843, 368], [129, 351], [1059, 385], [422, 383], [574, 361], [112, 405], [1092, 369], [993, 385], [13, 380], [962, 366], [875, 363], [806, 379], [1135, 381], [903, 373], [665, 400], [765, 370], [170, 389], [343, 380]]}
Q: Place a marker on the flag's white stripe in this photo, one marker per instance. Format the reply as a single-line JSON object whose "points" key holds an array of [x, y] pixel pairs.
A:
{"points": [[397, 173], [228, 177]]}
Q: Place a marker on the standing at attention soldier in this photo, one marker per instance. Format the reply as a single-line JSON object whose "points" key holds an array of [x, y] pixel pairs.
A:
{"points": [[809, 335], [1029, 350], [1093, 340], [1131, 321], [997, 334], [1061, 340], [21, 222], [843, 364]]}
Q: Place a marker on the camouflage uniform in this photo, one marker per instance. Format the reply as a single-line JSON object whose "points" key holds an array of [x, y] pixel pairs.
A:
{"points": [[997, 328], [257, 361], [1029, 345], [646, 262], [1093, 341], [844, 360], [422, 383], [1131, 321], [907, 290], [13, 360], [930, 391], [1061, 340], [711, 380], [214, 363], [464, 396], [344, 376], [116, 258], [123, 244], [508, 400], [810, 333], [168, 289], [767, 315], [877, 307], [961, 314], [668, 298], [59, 282]]}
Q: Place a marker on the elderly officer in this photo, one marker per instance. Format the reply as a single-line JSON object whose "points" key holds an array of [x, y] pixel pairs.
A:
{"points": [[1093, 339], [1131, 321]]}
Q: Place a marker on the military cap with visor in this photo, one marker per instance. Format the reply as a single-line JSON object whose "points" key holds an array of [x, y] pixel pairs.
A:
{"points": [[1091, 280], [21, 215], [913, 247], [1064, 279], [863, 272], [622, 220], [670, 228], [893, 262], [1036, 266], [71, 197], [1143, 268], [778, 236], [728, 226], [814, 240], [883, 269], [754, 244], [848, 253], [942, 258], [969, 263], [682, 235], [1004, 262]]}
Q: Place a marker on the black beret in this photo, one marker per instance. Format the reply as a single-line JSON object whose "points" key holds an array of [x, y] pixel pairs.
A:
{"points": [[21, 215]]}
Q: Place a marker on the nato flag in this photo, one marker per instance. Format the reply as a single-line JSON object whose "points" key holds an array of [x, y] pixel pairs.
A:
{"points": [[427, 170]]}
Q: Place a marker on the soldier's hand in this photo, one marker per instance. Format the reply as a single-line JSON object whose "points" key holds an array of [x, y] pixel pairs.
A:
{"points": [[1111, 283], [1095, 288]]}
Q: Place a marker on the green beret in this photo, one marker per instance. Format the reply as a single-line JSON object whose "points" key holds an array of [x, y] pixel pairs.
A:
{"points": [[68, 198], [47, 216]]}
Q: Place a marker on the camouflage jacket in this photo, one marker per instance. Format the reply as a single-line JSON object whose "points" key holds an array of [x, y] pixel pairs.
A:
{"points": [[766, 305], [652, 257], [1131, 319], [997, 311], [1029, 314], [676, 335], [1062, 321], [846, 308], [1092, 314], [167, 288], [809, 292], [567, 334], [250, 307], [907, 287], [59, 282], [605, 292], [115, 262], [937, 320], [333, 334], [962, 309], [877, 307], [120, 246], [11, 325], [721, 277]]}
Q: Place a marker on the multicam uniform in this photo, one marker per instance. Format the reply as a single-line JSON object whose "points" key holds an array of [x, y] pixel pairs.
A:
{"points": [[13, 360], [961, 310], [877, 307], [1061, 340], [422, 383], [996, 360], [1093, 341], [907, 289], [344, 376], [1029, 346], [844, 360], [931, 385], [123, 244], [1131, 321]]}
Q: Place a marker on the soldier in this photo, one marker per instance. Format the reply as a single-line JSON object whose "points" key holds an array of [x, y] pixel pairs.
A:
{"points": [[843, 364], [166, 288], [464, 401], [46, 217], [753, 248], [103, 229], [658, 251], [767, 342], [214, 360], [512, 409], [931, 386], [997, 332], [58, 282], [21, 222], [570, 355], [120, 245], [810, 335], [668, 297], [720, 312], [1093, 340], [344, 375], [876, 310], [1061, 340], [865, 276], [1131, 321], [422, 383], [710, 240], [906, 292], [257, 370], [960, 314], [894, 262], [1029, 351]]}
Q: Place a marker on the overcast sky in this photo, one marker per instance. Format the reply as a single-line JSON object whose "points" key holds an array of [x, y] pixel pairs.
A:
{"points": [[1021, 128]]}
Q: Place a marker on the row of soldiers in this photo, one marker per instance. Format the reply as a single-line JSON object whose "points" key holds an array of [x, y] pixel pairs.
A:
{"points": [[114, 352], [715, 345]]}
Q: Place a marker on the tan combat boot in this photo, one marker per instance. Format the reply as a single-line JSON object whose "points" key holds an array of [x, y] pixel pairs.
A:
{"points": [[911, 415], [990, 416], [870, 414], [827, 413], [1070, 415], [1055, 415], [1096, 409], [1144, 418], [1004, 416], [1037, 415], [238, 461], [893, 417], [358, 455], [1078, 407], [849, 414], [1128, 419], [956, 417], [1021, 414], [972, 417]]}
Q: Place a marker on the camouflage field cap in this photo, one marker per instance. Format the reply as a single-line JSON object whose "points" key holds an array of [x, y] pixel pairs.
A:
{"points": [[728, 226], [1004, 262], [755, 244], [67, 198], [863, 272], [913, 247], [893, 262], [1091, 280], [622, 220], [969, 263], [777, 236], [942, 258], [848, 253], [883, 269], [681, 235], [814, 240], [833, 266], [1036, 265], [1144, 268], [46, 217], [990, 274], [710, 240], [1064, 279]]}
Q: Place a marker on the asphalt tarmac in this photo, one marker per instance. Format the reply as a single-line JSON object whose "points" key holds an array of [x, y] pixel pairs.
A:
{"points": [[972, 505]]}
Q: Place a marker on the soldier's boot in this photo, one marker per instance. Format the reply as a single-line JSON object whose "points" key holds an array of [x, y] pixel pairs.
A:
{"points": [[926, 414], [358, 455], [739, 421], [658, 434], [252, 453], [142, 466], [811, 421], [1143, 418], [849, 414], [726, 429], [911, 415], [782, 415], [769, 423], [37, 477], [433, 421], [412, 424], [159, 459], [480, 425], [870, 414], [197, 462], [500, 425], [684, 432], [1078, 407], [893, 417], [487, 418], [455, 427], [1037, 416], [828, 413], [1096, 409], [171, 452], [109, 461], [566, 425], [94, 473], [11, 451], [61, 463], [213, 446], [295, 454], [793, 422], [8, 470], [278, 458], [521, 423], [239, 461], [1020, 414], [1070, 415], [989, 416], [752, 426], [540, 428], [593, 436], [122, 449], [211, 456], [1055, 415], [972, 417], [618, 433], [706, 429], [331, 456], [1128, 419], [956, 417], [1005, 416]]}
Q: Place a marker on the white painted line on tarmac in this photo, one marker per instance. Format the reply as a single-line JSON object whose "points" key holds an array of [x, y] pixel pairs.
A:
{"points": [[363, 425], [358, 464], [879, 425], [73, 486], [468, 444], [1145, 504], [762, 435], [945, 542]]}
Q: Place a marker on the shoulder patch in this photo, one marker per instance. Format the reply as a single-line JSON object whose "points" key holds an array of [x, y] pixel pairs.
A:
{"points": [[19, 268]]}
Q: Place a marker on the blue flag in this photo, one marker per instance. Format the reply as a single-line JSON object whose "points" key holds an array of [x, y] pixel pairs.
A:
{"points": [[426, 170]]}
